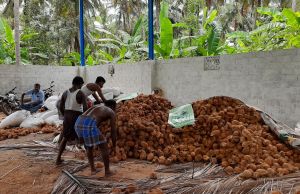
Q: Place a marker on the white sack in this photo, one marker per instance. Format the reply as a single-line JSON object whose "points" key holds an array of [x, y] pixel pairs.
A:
{"points": [[48, 114], [54, 120], [32, 122], [116, 91], [297, 130], [50, 103], [298, 125], [109, 96], [15, 119], [38, 114]]}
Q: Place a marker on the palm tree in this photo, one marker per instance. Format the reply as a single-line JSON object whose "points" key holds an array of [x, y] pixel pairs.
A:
{"points": [[236, 16], [129, 11], [294, 5], [67, 12], [157, 11], [8, 9], [17, 31]]}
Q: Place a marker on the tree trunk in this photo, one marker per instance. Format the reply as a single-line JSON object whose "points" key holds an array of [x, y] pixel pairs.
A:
{"points": [[76, 38], [294, 5], [208, 4], [17, 31], [266, 3], [259, 3], [157, 12]]}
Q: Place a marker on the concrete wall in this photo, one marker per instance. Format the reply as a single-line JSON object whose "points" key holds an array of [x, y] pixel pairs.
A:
{"points": [[267, 80], [128, 77], [24, 77]]}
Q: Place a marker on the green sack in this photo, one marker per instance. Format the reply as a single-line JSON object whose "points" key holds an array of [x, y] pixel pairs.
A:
{"points": [[124, 97], [181, 116]]}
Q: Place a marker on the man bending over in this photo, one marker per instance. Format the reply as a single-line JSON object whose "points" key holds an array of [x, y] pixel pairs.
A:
{"points": [[95, 90], [88, 130]]}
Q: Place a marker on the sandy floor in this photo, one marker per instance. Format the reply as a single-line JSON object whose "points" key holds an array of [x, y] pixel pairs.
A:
{"points": [[132, 170], [23, 174], [20, 173]]}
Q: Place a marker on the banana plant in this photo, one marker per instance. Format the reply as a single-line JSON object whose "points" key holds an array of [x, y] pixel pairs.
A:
{"points": [[165, 46], [168, 46], [7, 43], [123, 46], [209, 40]]}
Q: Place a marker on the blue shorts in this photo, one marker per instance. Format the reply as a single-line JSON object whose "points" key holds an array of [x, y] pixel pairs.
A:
{"points": [[86, 128]]}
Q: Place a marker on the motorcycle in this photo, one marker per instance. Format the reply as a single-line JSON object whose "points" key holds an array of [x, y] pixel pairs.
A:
{"points": [[9, 103], [49, 91]]}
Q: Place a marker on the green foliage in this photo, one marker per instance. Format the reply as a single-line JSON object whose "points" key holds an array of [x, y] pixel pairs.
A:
{"points": [[7, 44], [166, 32], [72, 59], [186, 28], [122, 46], [281, 32]]}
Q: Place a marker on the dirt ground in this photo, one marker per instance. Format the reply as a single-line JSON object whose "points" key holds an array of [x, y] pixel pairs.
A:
{"points": [[23, 174], [20, 173]]}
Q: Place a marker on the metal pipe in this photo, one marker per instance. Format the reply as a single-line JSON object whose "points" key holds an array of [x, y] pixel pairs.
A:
{"points": [[150, 30], [81, 31]]}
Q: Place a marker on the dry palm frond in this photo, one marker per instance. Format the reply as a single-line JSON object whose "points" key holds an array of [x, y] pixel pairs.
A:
{"points": [[233, 184], [209, 179], [68, 184]]}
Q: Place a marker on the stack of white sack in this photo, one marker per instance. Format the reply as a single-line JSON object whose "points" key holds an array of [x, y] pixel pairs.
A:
{"points": [[109, 93], [50, 116], [15, 119], [24, 119], [50, 103]]}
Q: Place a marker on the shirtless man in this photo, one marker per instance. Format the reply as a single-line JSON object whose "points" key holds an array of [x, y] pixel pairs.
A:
{"points": [[95, 90], [73, 104], [88, 130]]}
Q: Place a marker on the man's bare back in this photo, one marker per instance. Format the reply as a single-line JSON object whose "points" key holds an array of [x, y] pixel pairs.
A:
{"points": [[100, 113]]}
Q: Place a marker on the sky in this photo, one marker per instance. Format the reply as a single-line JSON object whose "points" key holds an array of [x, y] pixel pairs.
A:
{"points": [[1, 7], [112, 10]]}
